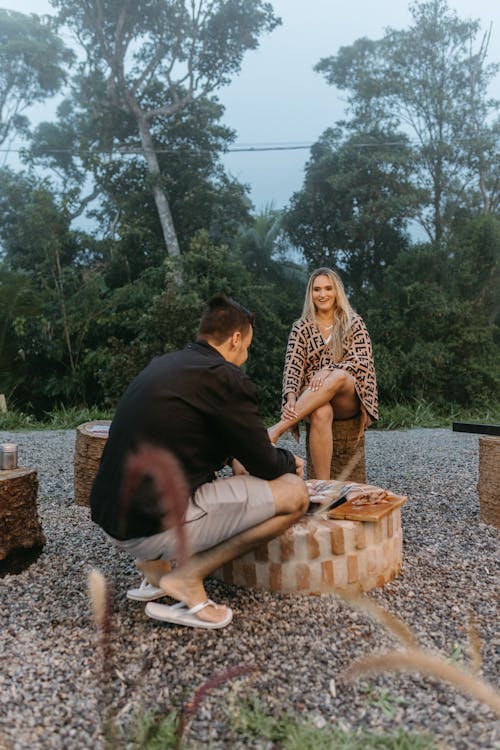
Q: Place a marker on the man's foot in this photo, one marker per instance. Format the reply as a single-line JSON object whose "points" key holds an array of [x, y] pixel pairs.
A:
{"points": [[153, 570], [192, 593], [179, 614]]}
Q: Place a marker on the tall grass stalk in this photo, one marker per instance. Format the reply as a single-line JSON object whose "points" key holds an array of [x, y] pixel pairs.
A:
{"points": [[430, 664], [102, 608], [415, 659]]}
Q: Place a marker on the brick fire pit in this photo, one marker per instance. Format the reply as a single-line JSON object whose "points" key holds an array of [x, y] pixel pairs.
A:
{"points": [[320, 554]]}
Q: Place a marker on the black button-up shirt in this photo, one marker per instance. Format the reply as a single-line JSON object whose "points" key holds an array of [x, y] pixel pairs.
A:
{"points": [[201, 408]]}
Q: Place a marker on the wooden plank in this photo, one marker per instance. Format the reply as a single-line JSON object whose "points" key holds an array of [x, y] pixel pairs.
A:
{"points": [[372, 513], [3, 404], [322, 492], [477, 428]]}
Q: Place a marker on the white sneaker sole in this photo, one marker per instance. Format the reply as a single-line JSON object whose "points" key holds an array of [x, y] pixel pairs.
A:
{"points": [[146, 593]]}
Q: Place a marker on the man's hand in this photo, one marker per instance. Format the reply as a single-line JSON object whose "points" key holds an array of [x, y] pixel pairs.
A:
{"points": [[238, 467], [299, 466]]}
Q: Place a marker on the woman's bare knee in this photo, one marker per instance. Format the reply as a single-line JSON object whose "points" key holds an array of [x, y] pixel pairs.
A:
{"points": [[290, 494], [338, 381], [322, 417]]}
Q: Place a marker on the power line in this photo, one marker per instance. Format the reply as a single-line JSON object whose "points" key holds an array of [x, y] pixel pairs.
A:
{"points": [[238, 148], [235, 149], [136, 150]]}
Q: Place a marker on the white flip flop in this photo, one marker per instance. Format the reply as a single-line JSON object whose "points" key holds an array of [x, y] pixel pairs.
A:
{"points": [[179, 614], [146, 592]]}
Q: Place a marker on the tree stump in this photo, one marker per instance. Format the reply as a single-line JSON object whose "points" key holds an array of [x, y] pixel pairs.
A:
{"points": [[489, 480], [91, 438], [348, 451], [20, 526]]}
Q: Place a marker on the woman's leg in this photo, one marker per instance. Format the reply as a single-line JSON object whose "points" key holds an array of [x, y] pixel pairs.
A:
{"points": [[337, 389], [321, 440]]}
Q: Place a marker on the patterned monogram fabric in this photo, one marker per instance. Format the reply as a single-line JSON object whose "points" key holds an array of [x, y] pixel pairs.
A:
{"points": [[307, 352]]}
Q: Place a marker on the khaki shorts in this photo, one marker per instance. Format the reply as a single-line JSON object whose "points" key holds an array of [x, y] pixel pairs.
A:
{"points": [[217, 511]]}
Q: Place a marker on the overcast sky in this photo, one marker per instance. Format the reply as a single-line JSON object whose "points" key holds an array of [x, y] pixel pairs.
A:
{"points": [[279, 100]]}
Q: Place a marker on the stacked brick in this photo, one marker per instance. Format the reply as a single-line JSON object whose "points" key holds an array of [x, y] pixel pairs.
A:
{"points": [[320, 555]]}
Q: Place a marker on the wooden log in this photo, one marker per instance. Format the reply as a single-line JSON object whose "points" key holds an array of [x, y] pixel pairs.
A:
{"points": [[91, 438], [489, 480], [3, 404], [348, 458], [20, 526]]}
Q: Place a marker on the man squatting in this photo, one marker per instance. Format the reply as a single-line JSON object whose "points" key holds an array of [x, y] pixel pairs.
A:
{"points": [[199, 405]]}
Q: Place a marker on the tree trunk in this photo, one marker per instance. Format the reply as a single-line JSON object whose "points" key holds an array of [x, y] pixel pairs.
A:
{"points": [[438, 221], [60, 291], [162, 205]]}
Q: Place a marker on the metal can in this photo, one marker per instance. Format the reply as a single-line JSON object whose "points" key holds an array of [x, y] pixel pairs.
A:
{"points": [[8, 456]]}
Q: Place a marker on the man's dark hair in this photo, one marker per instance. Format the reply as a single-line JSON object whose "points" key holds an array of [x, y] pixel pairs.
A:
{"points": [[222, 317]]}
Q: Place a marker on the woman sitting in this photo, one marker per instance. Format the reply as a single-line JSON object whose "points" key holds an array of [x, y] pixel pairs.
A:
{"points": [[329, 371]]}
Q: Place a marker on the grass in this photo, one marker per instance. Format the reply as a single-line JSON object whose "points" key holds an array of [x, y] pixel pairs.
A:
{"points": [[403, 416], [147, 732], [250, 724], [63, 418], [421, 413], [251, 721], [386, 701]]}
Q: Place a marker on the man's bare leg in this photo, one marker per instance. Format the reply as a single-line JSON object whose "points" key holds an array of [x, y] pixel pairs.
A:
{"points": [[185, 583]]}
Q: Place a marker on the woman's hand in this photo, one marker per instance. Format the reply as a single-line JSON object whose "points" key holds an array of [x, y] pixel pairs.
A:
{"points": [[288, 411], [318, 379]]}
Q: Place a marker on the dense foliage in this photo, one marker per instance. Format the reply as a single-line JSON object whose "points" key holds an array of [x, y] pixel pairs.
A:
{"points": [[83, 310], [431, 79]]}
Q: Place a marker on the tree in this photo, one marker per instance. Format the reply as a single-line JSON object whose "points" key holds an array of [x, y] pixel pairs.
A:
{"points": [[151, 59], [266, 252], [33, 64], [435, 321], [18, 299], [474, 252], [189, 146], [430, 80], [150, 316], [37, 240], [352, 210]]}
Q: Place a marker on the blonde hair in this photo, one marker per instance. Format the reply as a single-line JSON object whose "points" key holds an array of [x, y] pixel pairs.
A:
{"points": [[342, 310]]}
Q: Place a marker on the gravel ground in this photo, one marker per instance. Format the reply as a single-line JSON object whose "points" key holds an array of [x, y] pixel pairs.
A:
{"points": [[50, 677]]}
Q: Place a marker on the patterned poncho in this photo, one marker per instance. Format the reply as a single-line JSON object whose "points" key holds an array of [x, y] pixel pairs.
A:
{"points": [[307, 352]]}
